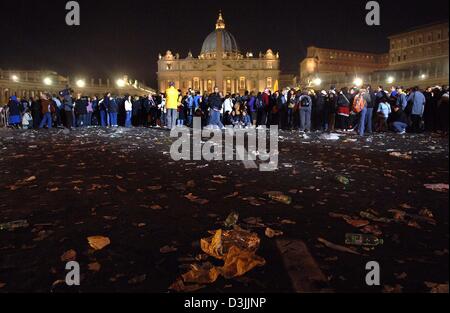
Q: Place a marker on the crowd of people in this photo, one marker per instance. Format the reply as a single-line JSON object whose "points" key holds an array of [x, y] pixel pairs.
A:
{"points": [[363, 110]]}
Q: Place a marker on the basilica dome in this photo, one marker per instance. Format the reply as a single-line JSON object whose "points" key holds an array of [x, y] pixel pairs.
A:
{"points": [[229, 43]]}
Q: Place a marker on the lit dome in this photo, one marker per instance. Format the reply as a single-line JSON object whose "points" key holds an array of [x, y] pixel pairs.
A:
{"points": [[229, 43]]}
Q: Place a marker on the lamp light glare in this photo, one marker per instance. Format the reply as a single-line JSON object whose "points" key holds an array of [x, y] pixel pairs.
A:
{"points": [[358, 82], [48, 81], [81, 83], [120, 83], [317, 82]]}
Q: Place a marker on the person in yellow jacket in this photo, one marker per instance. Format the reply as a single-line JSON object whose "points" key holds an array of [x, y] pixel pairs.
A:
{"points": [[172, 101]]}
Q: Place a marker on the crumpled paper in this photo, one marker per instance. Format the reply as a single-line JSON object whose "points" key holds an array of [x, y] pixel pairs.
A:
{"points": [[237, 248], [239, 262], [203, 274], [219, 245], [98, 242]]}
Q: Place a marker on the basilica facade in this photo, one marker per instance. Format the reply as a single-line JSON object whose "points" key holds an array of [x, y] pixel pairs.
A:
{"points": [[220, 64]]}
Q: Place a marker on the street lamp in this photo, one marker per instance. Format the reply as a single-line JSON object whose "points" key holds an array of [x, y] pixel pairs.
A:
{"points": [[423, 76], [15, 78], [81, 83], [48, 81], [358, 82], [390, 80], [120, 83]]}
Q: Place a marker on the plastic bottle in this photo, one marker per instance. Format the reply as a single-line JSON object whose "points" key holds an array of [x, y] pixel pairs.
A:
{"points": [[281, 198], [11, 226], [363, 240], [343, 180], [232, 219]]}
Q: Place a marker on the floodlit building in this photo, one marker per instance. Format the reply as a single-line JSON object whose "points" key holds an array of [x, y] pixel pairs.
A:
{"points": [[417, 56], [221, 64], [31, 83]]}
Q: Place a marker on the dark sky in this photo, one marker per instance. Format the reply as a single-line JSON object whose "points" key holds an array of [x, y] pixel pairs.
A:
{"points": [[118, 37]]}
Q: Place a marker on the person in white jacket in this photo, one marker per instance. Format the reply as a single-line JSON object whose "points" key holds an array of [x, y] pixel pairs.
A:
{"points": [[27, 120], [227, 105], [128, 111]]}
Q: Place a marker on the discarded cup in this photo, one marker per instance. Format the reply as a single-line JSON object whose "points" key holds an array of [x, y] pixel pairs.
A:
{"points": [[12, 226], [363, 240]]}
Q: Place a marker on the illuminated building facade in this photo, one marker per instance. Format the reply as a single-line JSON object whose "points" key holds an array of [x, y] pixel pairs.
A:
{"points": [[31, 83], [417, 57], [221, 64]]}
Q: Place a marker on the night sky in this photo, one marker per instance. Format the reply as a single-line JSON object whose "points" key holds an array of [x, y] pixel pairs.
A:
{"points": [[119, 37]]}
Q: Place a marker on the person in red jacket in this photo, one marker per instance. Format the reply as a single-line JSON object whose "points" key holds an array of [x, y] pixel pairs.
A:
{"points": [[266, 106]]}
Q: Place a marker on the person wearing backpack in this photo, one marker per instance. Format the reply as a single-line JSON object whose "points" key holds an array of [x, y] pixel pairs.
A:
{"points": [[305, 102], [360, 107]]}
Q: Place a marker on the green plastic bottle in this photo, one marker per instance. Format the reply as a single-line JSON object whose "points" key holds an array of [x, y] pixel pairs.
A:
{"points": [[363, 240], [232, 219], [343, 180]]}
